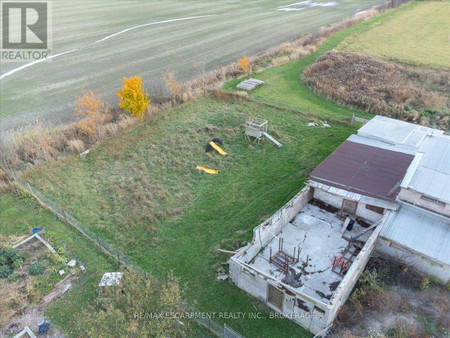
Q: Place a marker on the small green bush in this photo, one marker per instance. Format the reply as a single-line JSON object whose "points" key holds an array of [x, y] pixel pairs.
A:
{"points": [[50, 234], [36, 269], [425, 284], [8, 253], [17, 264], [61, 251], [13, 277], [5, 270]]}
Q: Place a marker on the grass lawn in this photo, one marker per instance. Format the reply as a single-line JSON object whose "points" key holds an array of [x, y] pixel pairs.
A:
{"points": [[18, 215], [418, 34], [140, 191], [283, 85]]}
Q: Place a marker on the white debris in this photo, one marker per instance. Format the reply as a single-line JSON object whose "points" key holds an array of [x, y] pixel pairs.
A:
{"points": [[66, 288], [222, 277], [72, 263], [85, 152], [61, 272], [325, 124], [82, 267], [312, 124]]}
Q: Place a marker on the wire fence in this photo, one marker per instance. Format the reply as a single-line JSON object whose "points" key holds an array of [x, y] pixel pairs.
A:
{"points": [[99, 242]]}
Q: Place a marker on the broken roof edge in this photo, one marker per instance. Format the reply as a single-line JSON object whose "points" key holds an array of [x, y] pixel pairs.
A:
{"points": [[354, 196], [357, 191]]}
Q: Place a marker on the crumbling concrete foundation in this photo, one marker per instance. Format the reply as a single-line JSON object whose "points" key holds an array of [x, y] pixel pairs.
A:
{"points": [[308, 292]]}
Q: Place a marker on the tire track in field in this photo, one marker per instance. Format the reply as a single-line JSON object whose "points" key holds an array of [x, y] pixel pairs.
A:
{"points": [[15, 70]]}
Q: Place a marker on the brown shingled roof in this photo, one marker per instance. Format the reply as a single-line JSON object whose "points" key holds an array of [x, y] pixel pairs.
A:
{"points": [[364, 169]]}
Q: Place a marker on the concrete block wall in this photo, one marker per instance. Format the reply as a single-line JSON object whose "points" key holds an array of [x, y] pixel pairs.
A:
{"points": [[311, 315], [267, 230]]}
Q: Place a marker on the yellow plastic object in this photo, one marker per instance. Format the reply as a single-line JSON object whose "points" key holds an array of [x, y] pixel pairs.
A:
{"points": [[219, 150], [207, 170]]}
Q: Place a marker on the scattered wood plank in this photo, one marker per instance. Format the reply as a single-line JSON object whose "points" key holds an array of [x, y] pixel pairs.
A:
{"points": [[249, 84]]}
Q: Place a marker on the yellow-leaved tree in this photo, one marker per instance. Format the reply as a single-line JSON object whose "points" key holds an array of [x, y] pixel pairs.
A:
{"points": [[132, 97], [92, 111], [245, 65]]}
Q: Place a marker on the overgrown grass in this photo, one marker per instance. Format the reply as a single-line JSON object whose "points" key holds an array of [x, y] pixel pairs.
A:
{"points": [[18, 215], [140, 191], [284, 86], [417, 35], [383, 88]]}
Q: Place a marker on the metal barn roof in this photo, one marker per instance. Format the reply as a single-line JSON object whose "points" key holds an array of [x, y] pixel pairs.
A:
{"points": [[421, 231], [396, 132], [364, 169], [431, 173], [381, 144]]}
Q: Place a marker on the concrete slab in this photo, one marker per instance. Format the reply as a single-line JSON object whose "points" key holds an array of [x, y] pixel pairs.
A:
{"points": [[317, 233]]}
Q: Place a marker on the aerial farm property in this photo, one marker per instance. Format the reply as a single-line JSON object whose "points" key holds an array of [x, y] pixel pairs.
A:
{"points": [[367, 195]]}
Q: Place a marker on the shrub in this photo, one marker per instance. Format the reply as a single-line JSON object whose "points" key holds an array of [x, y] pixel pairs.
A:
{"points": [[9, 253], [245, 65], [36, 268], [17, 264], [61, 251], [92, 110], [11, 258], [5, 270], [13, 277], [175, 87], [132, 97]]}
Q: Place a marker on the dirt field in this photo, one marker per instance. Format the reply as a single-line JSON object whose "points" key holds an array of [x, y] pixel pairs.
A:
{"points": [[417, 34], [175, 35]]}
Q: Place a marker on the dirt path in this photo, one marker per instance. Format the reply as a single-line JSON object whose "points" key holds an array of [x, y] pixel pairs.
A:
{"points": [[35, 315]]}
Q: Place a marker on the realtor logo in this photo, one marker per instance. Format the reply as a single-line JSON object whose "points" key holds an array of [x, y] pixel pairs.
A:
{"points": [[25, 30]]}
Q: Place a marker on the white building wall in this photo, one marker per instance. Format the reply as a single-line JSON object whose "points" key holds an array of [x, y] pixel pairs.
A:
{"points": [[439, 271], [336, 201]]}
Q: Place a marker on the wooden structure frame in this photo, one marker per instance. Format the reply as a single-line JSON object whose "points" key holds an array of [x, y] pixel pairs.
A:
{"points": [[256, 127]]}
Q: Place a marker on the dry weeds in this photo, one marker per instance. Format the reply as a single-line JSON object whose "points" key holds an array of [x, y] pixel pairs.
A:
{"points": [[382, 88]]}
